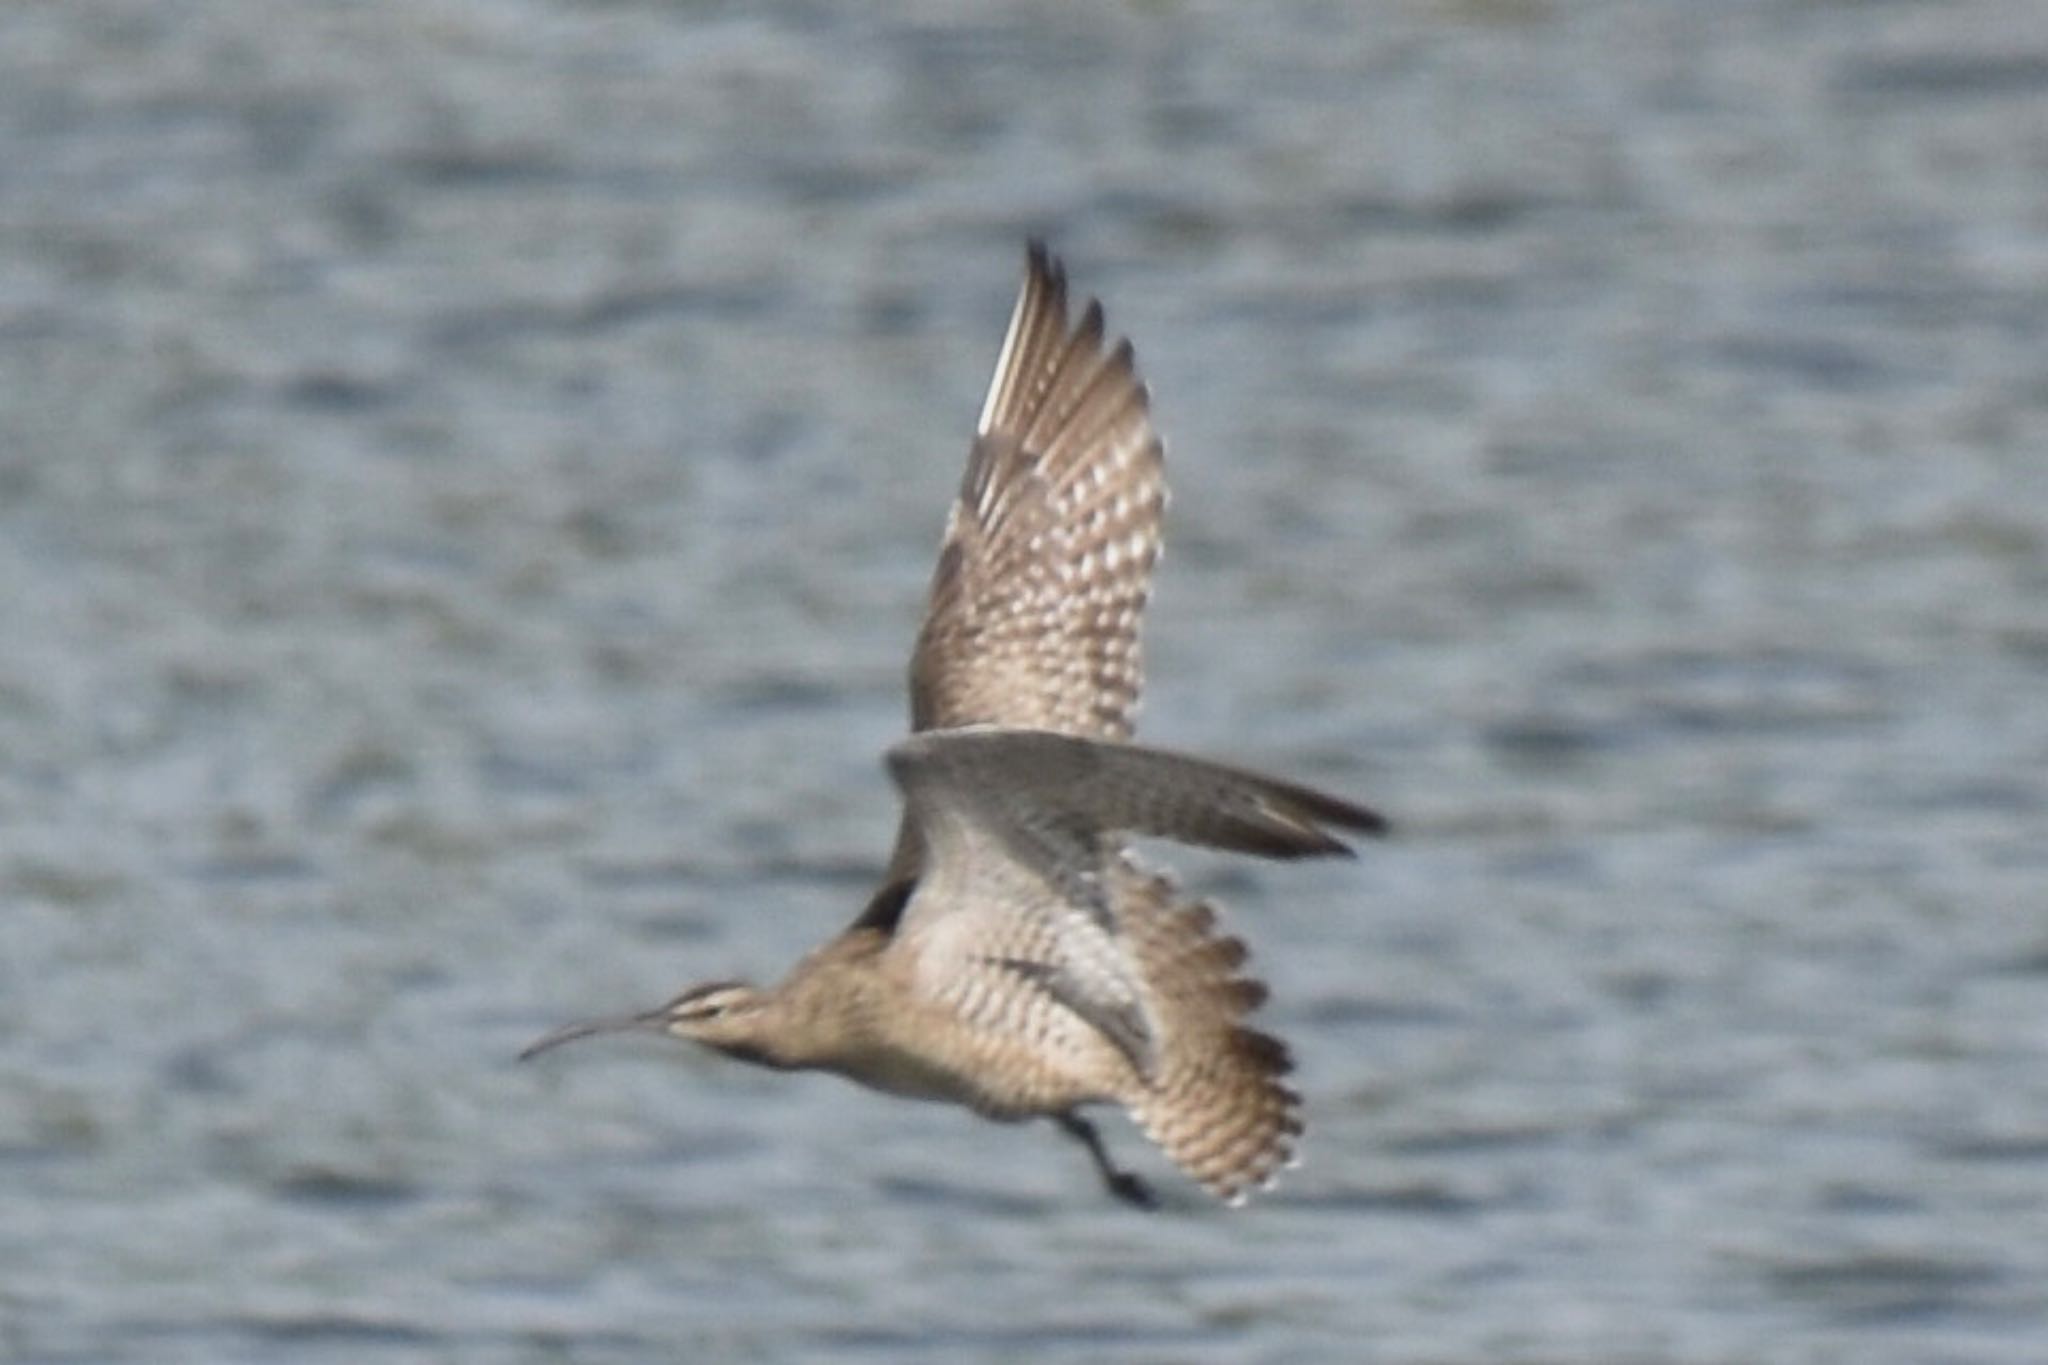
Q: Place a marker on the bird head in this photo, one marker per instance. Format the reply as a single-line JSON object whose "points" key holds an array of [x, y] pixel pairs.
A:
{"points": [[721, 1014]]}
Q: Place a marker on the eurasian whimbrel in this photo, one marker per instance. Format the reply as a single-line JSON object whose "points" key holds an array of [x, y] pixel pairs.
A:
{"points": [[1016, 959]]}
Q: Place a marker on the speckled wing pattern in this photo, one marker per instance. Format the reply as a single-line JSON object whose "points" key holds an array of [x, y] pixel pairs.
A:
{"points": [[1033, 624], [1048, 552], [1010, 898]]}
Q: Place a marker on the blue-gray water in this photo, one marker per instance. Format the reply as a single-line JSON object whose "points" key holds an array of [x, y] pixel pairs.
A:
{"points": [[468, 473]]}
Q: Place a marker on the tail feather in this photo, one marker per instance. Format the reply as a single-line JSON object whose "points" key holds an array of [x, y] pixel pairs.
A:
{"points": [[1218, 1104]]}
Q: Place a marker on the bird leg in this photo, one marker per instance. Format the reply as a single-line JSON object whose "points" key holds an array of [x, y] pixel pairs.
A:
{"points": [[1122, 1184]]}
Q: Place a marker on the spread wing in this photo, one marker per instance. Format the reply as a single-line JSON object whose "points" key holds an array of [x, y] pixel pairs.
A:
{"points": [[1057, 801], [1021, 830], [1048, 552]]}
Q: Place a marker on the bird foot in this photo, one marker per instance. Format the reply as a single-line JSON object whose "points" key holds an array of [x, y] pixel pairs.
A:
{"points": [[1121, 1184], [1131, 1190]]}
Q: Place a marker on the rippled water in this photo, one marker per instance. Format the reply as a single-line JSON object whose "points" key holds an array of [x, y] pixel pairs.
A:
{"points": [[467, 479]]}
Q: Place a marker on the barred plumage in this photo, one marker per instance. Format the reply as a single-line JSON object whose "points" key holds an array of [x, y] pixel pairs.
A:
{"points": [[1220, 1106], [1015, 959], [1048, 551]]}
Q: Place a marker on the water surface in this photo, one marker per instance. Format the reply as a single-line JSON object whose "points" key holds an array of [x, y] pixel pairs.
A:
{"points": [[467, 480]]}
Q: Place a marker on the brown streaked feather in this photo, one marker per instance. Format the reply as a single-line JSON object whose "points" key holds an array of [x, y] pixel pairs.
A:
{"points": [[1019, 911], [1048, 552], [1218, 1104]]}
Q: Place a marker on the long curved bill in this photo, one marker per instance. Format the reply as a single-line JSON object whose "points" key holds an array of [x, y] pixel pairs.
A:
{"points": [[586, 1028]]}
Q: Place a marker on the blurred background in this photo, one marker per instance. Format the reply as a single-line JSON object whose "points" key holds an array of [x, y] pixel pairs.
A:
{"points": [[468, 476]]}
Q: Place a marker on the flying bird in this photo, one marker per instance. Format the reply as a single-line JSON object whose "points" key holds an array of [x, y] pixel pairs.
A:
{"points": [[1016, 958]]}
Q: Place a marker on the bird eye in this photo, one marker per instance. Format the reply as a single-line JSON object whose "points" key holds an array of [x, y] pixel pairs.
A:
{"points": [[703, 1007]]}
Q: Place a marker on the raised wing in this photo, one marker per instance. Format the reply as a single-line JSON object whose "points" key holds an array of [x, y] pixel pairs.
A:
{"points": [[1048, 552]]}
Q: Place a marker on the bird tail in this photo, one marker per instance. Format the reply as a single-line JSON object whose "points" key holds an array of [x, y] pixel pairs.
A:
{"points": [[1217, 1102]]}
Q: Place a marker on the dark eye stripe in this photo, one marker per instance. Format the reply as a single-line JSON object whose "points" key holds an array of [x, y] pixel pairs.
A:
{"points": [[711, 995]]}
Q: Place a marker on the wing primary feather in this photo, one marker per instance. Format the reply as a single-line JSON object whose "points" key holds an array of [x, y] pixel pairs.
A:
{"points": [[1037, 325], [1037, 602]]}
